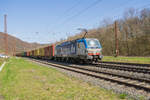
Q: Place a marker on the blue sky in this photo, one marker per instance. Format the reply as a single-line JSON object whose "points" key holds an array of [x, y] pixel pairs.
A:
{"points": [[45, 21]]}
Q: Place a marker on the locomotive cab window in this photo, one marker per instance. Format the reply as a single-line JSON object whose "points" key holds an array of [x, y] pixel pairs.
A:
{"points": [[92, 43]]}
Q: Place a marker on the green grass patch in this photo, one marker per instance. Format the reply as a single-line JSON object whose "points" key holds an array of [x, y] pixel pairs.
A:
{"points": [[2, 60], [123, 96], [23, 80], [142, 60]]}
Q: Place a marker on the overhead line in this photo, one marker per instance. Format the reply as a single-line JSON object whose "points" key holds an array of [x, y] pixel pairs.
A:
{"points": [[82, 11], [79, 13], [74, 6], [68, 10]]}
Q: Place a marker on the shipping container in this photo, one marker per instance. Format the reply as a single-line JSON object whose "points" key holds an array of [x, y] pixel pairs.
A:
{"points": [[38, 52], [34, 53], [41, 52], [47, 52], [28, 53]]}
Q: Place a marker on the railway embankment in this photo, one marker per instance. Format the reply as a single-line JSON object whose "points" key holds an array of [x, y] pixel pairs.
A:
{"points": [[23, 80], [1, 61], [131, 79]]}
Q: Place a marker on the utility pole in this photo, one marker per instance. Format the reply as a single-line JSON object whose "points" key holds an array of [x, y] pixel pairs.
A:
{"points": [[116, 40], [5, 32], [14, 54]]}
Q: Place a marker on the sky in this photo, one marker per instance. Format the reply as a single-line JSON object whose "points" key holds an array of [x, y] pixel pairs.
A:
{"points": [[47, 21]]}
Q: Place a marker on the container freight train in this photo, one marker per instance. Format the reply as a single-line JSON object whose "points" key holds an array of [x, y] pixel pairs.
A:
{"points": [[80, 50]]}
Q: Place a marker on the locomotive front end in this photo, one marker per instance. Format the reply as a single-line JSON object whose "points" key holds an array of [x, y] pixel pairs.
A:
{"points": [[93, 49]]}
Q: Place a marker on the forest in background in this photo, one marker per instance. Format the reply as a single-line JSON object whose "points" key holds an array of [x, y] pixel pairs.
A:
{"points": [[133, 34]]}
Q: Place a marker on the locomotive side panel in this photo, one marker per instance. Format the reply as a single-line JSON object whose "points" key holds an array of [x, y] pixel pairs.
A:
{"points": [[81, 48]]}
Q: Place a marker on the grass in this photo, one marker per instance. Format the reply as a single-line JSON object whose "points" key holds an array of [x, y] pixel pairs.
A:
{"points": [[142, 60], [2, 60], [123, 96], [23, 80]]}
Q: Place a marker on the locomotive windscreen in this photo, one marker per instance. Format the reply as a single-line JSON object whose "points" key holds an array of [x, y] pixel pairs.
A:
{"points": [[93, 43]]}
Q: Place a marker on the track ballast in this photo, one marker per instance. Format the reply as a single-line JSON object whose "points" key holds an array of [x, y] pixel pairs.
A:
{"points": [[105, 72]]}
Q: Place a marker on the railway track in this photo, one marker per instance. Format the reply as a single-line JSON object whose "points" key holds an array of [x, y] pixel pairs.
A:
{"points": [[126, 67], [136, 82], [123, 63]]}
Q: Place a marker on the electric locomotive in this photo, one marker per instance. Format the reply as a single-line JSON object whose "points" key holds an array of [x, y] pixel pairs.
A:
{"points": [[79, 50]]}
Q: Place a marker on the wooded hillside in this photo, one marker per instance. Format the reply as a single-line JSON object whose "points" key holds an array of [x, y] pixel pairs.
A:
{"points": [[15, 44], [133, 34]]}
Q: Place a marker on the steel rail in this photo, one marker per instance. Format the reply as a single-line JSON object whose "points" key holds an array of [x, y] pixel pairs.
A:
{"points": [[125, 68], [123, 63], [127, 82]]}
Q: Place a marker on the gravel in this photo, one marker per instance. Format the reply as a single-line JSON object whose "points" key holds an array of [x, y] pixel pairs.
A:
{"points": [[121, 72], [117, 88]]}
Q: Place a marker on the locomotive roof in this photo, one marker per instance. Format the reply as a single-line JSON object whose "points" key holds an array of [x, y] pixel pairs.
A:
{"points": [[70, 42]]}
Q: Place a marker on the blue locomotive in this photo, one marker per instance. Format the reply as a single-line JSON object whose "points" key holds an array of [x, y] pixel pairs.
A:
{"points": [[79, 50]]}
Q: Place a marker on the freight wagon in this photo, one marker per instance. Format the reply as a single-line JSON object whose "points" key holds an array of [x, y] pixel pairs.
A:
{"points": [[49, 52]]}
